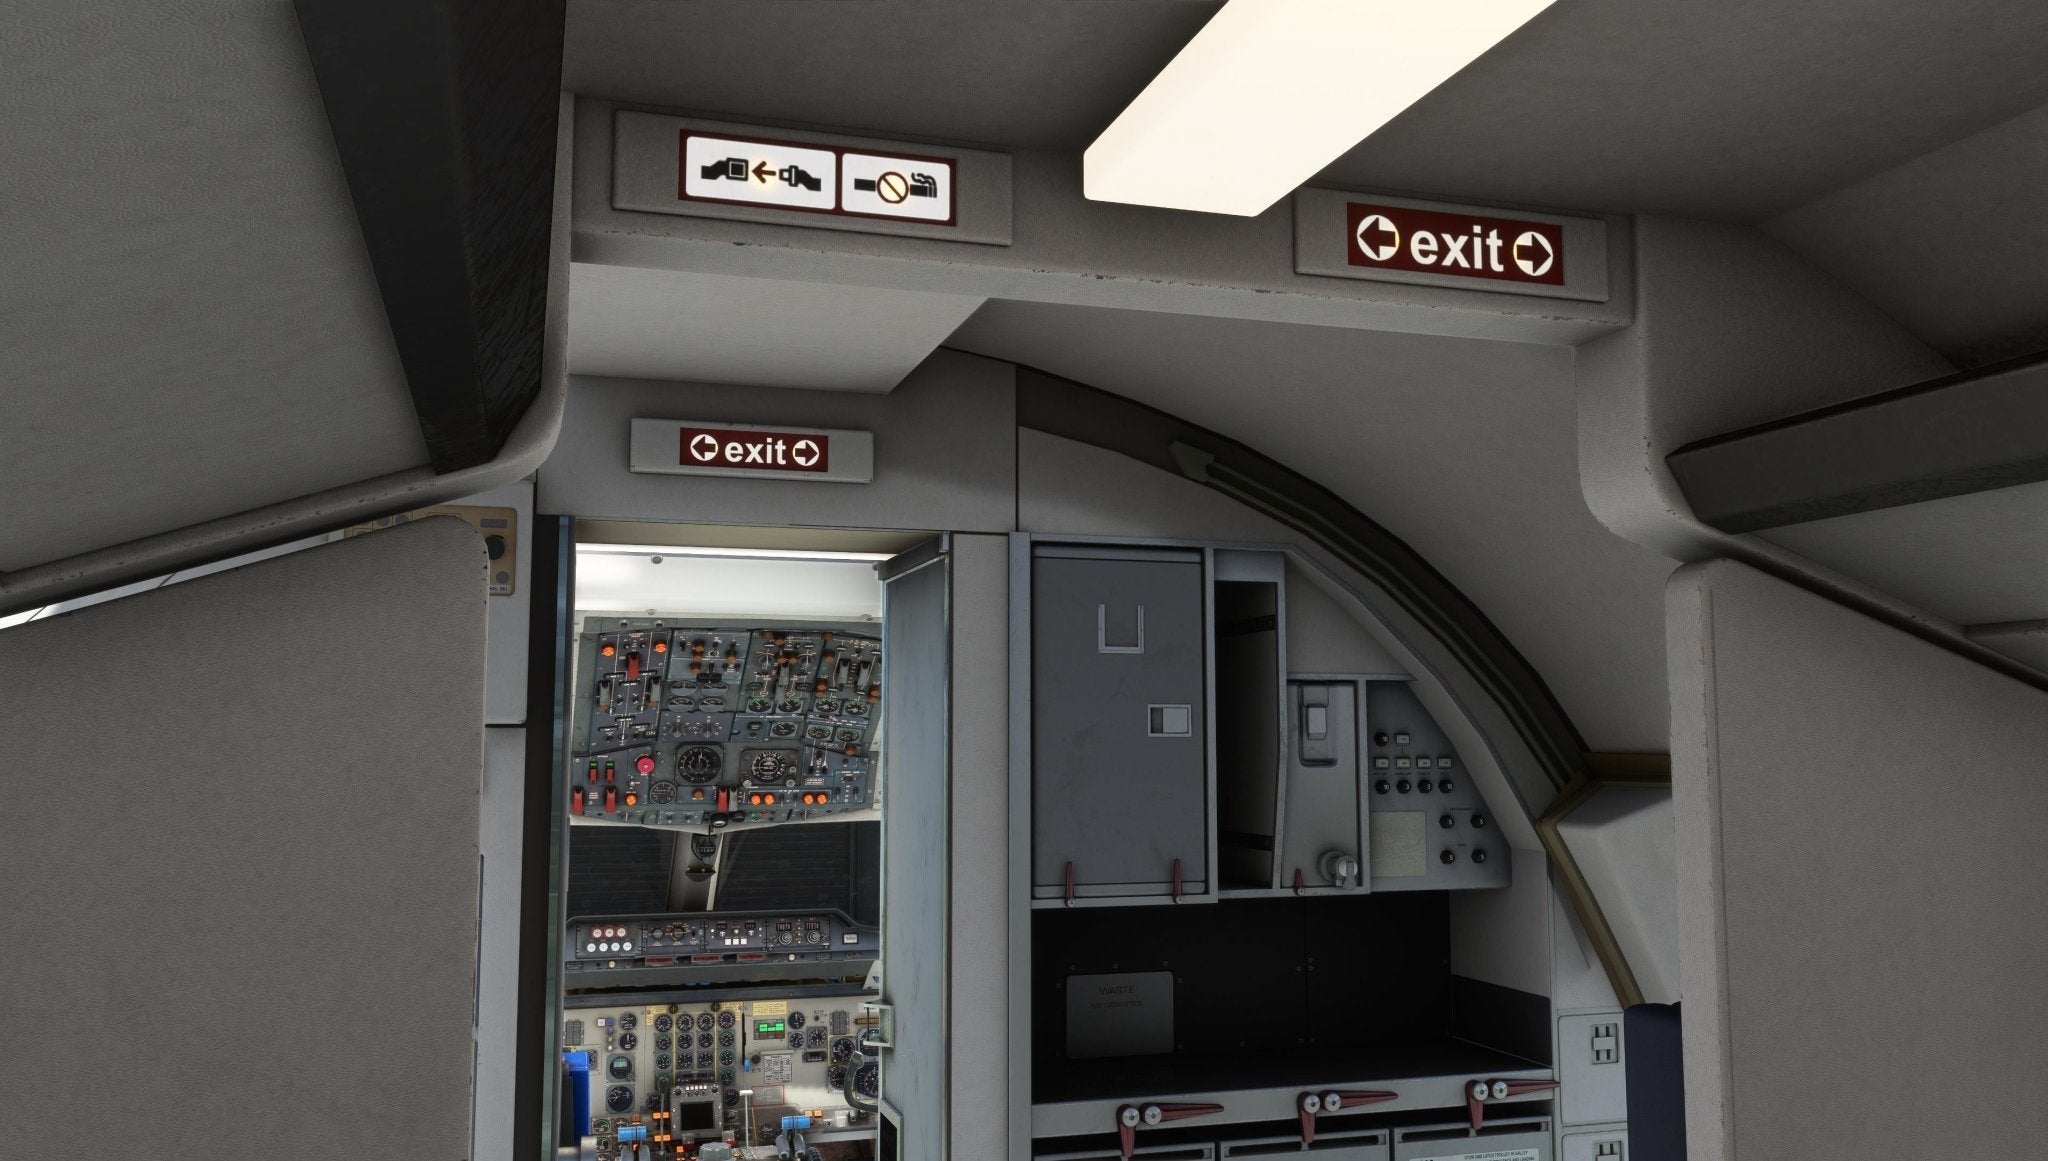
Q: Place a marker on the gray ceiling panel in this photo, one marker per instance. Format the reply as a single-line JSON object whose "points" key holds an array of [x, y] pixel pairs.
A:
{"points": [[1976, 559], [1727, 109], [1038, 74], [1466, 450], [192, 326], [631, 323], [1952, 244]]}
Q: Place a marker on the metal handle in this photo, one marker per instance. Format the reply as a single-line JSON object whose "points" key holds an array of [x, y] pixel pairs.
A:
{"points": [[1479, 1092], [1311, 1105], [1129, 1117], [1102, 644]]}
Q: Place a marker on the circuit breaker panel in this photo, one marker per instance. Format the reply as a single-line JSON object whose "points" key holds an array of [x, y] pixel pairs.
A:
{"points": [[707, 727]]}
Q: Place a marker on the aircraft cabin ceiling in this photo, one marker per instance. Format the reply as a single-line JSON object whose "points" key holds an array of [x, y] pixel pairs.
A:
{"points": [[202, 334], [1803, 119], [1877, 141]]}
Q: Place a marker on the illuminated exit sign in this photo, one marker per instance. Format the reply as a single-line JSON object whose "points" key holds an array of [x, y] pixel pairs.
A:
{"points": [[1462, 245], [1383, 238], [693, 448]]}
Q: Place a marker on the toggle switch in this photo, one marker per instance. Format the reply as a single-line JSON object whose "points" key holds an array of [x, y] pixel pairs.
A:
{"points": [[1314, 743]]}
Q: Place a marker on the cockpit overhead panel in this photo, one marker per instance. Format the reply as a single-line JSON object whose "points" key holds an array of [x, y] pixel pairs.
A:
{"points": [[708, 727]]}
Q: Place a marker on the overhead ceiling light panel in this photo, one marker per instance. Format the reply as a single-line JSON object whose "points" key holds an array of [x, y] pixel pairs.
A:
{"points": [[1271, 91]]}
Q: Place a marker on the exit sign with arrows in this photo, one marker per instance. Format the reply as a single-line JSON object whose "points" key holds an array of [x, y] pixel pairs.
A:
{"points": [[1463, 245]]}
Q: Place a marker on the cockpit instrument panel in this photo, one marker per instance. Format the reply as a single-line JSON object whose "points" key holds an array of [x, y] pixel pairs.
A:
{"points": [[677, 1074], [688, 726]]}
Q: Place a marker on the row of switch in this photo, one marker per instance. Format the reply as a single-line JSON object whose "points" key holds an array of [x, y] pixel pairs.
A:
{"points": [[579, 803], [810, 798], [1424, 785], [1403, 763]]}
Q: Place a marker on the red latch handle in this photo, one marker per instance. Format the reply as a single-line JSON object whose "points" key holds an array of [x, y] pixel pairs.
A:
{"points": [[1311, 1105], [1479, 1092], [1129, 1117], [1297, 880], [1070, 882], [1176, 880]]}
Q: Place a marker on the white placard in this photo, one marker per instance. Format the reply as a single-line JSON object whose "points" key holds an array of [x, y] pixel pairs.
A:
{"points": [[759, 173], [897, 187]]}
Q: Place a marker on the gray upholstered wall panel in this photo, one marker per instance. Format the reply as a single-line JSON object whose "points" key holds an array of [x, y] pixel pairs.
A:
{"points": [[1859, 817], [241, 859], [191, 315]]}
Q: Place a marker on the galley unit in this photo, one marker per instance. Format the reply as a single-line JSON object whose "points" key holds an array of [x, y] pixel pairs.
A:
{"points": [[1256, 896]]}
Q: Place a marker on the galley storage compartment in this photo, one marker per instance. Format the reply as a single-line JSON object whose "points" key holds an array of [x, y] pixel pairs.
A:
{"points": [[1120, 791]]}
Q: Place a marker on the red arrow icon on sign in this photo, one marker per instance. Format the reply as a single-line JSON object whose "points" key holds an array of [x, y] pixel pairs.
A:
{"points": [[762, 173]]}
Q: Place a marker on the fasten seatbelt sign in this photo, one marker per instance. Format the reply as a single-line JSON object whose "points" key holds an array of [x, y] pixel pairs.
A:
{"points": [[1460, 245], [695, 448]]}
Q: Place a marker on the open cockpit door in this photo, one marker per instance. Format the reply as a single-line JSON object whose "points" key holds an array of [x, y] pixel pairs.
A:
{"points": [[916, 779]]}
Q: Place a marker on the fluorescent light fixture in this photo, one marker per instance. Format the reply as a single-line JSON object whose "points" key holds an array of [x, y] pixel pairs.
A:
{"points": [[599, 549], [1271, 91]]}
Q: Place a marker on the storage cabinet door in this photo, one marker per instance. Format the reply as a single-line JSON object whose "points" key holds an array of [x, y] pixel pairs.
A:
{"points": [[1119, 724]]}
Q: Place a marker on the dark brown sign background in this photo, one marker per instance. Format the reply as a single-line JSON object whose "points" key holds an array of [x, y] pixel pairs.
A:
{"points": [[760, 451], [1428, 242]]}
